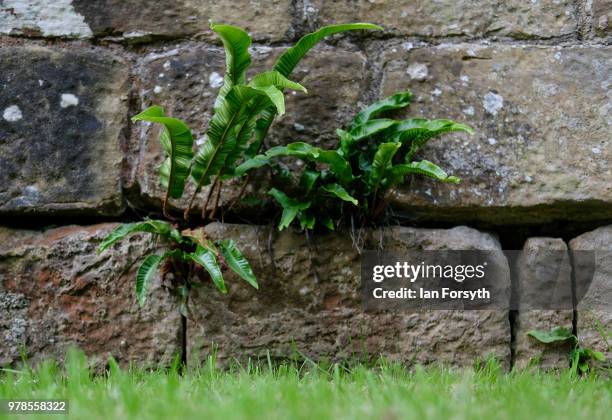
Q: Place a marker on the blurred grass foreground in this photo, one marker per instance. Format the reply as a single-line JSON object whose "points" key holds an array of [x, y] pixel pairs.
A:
{"points": [[309, 391]]}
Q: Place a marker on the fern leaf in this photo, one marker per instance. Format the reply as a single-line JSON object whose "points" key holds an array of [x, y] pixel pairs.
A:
{"points": [[393, 102], [236, 43], [237, 262], [381, 162], [208, 260], [150, 226], [177, 142], [423, 167], [291, 207]]}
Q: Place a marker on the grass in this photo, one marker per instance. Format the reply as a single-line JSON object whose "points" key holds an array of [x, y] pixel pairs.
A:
{"points": [[309, 391]]}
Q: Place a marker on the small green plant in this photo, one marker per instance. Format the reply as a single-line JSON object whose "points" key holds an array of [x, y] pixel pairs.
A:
{"points": [[243, 112], [190, 248], [580, 358], [374, 154]]}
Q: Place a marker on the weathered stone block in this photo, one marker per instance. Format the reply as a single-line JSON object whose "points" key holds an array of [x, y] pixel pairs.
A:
{"points": [[140, 20], [186, 80], [543, 266], [514, 18], [46, 18], [143, 21], [594, 324], [602, 17], [541, 115], [60, 131], [56, 292], [320, 315]]}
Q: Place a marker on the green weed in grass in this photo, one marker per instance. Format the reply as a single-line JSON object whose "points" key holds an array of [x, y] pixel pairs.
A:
{"points": [[309, 391]]}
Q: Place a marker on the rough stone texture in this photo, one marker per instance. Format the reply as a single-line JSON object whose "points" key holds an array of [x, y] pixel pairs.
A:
{"points": [[140, 20], [529, 162], [602, 17], [47, 18], [60, 131], [56, 292], [514, 18], [543, 265], [321, 316], [186, 80], [594, 312]]}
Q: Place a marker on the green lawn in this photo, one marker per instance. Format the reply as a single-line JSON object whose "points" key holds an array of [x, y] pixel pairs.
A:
{"points": [[309, 391]]}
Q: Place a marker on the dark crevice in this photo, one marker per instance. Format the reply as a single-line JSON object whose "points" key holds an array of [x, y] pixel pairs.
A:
{"points": [[574, 296], [473, 57], [183, 342], [512, 318], [43, 221], [513, 313], [511, 237], [514, 237]]}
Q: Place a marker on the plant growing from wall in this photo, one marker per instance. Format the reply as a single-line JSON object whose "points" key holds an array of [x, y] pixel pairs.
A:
{"points": [[581, 358], [374, 154], [242, 115]]}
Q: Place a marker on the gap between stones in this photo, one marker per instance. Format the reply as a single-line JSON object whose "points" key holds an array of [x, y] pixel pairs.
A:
{"points": [[574, 298], [509, 241]]}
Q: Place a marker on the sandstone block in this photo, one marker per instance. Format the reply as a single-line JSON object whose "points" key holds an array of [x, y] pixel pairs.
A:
{"points": [[514, 18], [63, 112], [142, 21], [541, 115], [56, 292], [320, 315]]}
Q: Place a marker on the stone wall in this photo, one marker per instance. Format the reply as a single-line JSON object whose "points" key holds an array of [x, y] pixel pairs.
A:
{"points": [[532, 78]]}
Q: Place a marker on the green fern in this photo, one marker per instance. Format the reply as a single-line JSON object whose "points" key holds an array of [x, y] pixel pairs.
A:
{"points": [[366, 164], [242, 115]]}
